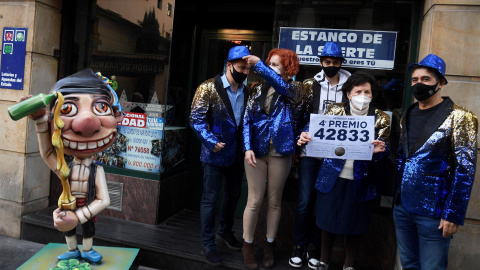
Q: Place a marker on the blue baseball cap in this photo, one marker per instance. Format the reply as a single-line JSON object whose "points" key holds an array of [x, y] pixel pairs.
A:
{"points": [[432, 61], [237, 52], [332, 49]]}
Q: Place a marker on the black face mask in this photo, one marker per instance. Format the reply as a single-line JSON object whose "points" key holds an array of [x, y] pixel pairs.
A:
{"points": [[237, 76], [422, 91], [331, 71]]}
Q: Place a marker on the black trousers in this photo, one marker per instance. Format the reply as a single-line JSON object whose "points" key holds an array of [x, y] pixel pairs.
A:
{"points": [[88, 230]]}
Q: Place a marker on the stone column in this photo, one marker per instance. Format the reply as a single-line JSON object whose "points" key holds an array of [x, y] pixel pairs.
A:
{"points": [[450, 29], [24, 177]]}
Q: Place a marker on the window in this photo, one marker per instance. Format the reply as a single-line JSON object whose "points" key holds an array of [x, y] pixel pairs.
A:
{"points": [[130, 50], [159, 4], [169, 10]]}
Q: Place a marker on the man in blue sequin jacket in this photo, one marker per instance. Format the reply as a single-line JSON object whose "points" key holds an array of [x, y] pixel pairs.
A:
{"points": [[436, 167], [216, 118]]}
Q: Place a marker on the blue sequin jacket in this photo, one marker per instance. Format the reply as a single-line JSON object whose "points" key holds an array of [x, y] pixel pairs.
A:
{"points": [[212, 119], [363, 170], [437, 173], [278, 123]]}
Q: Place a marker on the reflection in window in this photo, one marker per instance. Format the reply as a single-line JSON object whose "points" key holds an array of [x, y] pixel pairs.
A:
{"points": [[169, 10], [123, 40]]}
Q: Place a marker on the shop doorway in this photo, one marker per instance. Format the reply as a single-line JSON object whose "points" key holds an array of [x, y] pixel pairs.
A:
{"points": [[213, 50], [215, 45]]}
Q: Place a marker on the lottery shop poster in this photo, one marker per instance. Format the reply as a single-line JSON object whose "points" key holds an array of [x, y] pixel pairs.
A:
{"points": [[135, 149]]}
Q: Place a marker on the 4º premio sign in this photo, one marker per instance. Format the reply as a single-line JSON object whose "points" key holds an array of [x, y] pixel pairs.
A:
{"points": [[342, 137]]}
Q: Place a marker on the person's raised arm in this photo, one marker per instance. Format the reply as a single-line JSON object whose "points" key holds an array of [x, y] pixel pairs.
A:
{"points": [[289, 90]]}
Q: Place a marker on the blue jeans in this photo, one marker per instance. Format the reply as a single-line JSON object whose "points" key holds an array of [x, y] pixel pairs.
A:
{"points": [[420, 242], [306, 232], [213, 177]]}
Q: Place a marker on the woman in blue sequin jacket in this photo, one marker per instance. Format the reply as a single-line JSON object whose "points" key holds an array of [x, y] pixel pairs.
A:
{"points": [[268, 142]]}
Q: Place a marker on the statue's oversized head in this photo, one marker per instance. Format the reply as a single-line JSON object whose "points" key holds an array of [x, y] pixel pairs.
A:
{"points": [[90, 112]]}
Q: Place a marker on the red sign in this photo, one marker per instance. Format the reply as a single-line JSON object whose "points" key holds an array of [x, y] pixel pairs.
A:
{"points": [[132, 119], [8, 35]]}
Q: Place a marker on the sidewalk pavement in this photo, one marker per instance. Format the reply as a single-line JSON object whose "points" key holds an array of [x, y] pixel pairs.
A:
{"points": [[15, 252]]}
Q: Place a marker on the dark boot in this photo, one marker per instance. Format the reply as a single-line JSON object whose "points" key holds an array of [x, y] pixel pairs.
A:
{"points": [[268, 259], [248, 256]]}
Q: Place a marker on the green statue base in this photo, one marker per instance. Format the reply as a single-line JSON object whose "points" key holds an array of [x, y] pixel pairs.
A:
{"points": [[113, 258]]}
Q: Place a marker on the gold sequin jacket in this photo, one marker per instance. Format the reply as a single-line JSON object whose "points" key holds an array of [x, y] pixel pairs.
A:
{"points": [[436, 175], [212, 119]]}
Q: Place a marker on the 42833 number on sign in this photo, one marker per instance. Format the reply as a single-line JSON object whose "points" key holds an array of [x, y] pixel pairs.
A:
{"points": [[345, 137]]}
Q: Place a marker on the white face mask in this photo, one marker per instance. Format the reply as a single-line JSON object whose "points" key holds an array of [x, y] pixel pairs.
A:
{"points": [[360, 102], [278, 71]]}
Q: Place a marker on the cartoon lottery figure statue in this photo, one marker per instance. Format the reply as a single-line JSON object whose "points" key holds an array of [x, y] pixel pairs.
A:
{"points": [[82, 121]]}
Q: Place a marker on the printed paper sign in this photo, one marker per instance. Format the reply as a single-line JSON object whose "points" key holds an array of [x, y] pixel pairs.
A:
{"points": [[134, 148], [361, 48], [155, 122], [341, 137], [132, 119]]}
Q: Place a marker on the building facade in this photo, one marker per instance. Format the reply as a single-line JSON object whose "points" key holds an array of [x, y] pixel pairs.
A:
{"points": [[116, 37]]}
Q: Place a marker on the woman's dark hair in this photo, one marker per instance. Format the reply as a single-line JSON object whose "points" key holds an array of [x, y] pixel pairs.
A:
{"points": [[359, 78]]}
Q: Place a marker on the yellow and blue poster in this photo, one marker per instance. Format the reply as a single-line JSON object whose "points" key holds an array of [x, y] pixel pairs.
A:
{"points": [[14, 46]]}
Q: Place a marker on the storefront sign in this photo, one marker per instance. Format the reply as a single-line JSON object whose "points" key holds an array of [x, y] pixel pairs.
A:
{"points": [[134, 148], [13, 57], [342, 137], [132, 119], [361, 48]]}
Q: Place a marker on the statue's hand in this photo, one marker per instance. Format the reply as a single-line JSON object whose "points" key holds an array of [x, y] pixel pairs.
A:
{"points": [[64, 220], [36, 114]]}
